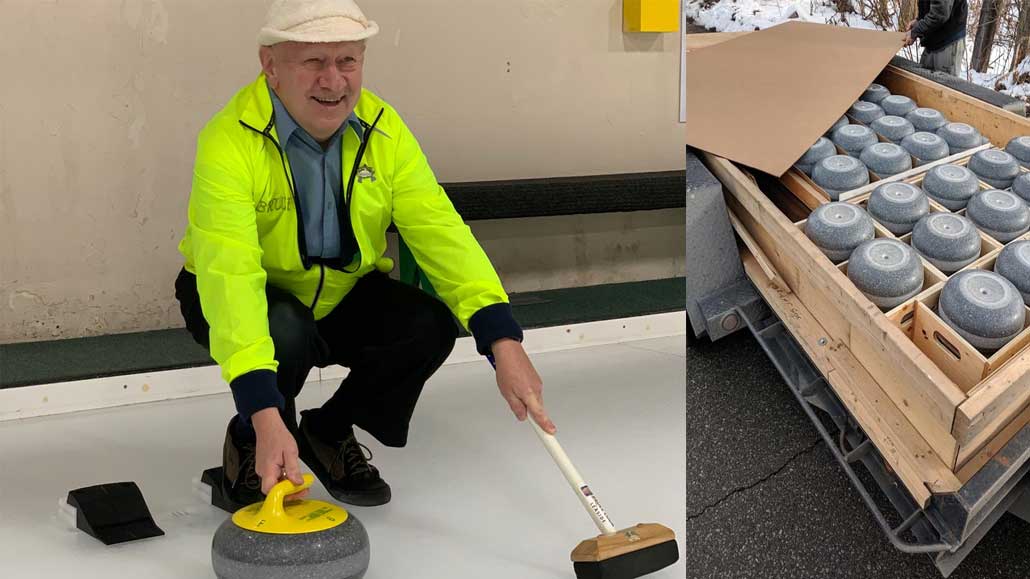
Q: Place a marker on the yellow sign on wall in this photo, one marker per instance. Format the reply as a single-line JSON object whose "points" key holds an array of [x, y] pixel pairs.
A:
{"points": [[650, 15]]}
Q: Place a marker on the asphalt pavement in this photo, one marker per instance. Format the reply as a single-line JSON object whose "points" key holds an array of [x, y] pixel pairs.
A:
{"points": [[765, 498]]}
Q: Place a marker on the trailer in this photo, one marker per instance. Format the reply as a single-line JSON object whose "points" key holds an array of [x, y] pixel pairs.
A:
{"points": [[943, 438]]}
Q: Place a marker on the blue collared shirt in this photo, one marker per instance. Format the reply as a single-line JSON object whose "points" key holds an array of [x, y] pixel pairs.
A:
{"points": [[318, 179]]}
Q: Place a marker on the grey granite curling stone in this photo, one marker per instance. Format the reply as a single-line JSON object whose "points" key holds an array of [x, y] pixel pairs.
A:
{"points": [[865, 112], [1000, 214], [838, 228], [951, 185], [960, 136], [306, 540], [841, 122], [898, 206], [1014, 265], [875, 93], [1021, 187], [948, 241], [1019, 147], [925, 147], [983, 307], [854, 138], [887, 271], [897, 105], [840, 173], [892, 128], [886, 159], [994, 167], [925, 119], [820, 150]]}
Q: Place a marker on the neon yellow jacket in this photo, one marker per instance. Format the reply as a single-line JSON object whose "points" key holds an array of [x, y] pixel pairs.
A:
{"points": [[244, 230]]}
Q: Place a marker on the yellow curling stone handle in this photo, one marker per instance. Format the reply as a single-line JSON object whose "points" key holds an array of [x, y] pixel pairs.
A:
{"points": [[276, 516]]}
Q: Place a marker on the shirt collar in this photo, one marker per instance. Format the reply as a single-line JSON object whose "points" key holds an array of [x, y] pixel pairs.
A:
{"points": [[285, 126]]}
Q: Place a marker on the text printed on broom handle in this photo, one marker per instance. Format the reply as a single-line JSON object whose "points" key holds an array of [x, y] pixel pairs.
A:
{"points": [[586, 497]]}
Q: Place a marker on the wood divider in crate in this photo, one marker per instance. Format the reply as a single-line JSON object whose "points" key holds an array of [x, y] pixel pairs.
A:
{"points": [[963, 363]]}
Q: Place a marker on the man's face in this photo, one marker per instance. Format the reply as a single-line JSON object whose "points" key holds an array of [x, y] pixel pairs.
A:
{"points": [[319, 83]]}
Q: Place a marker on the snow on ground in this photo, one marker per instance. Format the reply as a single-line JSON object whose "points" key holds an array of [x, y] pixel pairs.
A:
{"points": [[739, 15]]}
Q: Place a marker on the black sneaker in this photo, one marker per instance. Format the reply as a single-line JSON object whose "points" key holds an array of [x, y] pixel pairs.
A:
{"points": [[342, 467], [240, 482]]}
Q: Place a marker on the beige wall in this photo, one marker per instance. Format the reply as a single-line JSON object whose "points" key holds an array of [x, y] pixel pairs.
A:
{"points": [[102, 100]]}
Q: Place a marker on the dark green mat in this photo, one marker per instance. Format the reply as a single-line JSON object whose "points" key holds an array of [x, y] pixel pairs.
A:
{"points": [[112, 355]]}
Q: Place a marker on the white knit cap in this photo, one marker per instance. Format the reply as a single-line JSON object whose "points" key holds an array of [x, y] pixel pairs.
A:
{"points": [[315, 21]]}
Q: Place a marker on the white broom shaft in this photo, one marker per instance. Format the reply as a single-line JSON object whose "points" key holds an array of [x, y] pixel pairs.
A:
{"points": [[579, 486]]}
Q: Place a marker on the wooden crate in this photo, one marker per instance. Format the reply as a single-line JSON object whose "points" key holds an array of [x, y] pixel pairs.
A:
{"points": [[935, 407]]}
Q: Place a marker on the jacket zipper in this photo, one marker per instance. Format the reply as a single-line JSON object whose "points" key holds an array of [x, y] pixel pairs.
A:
{"points": [[346, 194]]}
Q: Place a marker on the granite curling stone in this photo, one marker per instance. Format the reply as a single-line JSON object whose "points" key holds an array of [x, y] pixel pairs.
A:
{"points": [[994, 167], [1019, 147], [822, 149], [841, 122], [854, 138], [951, 185], [1000, 214], [865, 112], [926, 119], [983, 307], [875, 93], [960, 137], [840, 173], [886, 159], [1021, 187], [898, 206], [838, 228], [897, 105], [892, 128], [304, 539], [886, 271], [948, 241], [1013, 264], [925, 147]]}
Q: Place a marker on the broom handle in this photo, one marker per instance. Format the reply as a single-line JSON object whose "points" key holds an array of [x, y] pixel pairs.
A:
{"points": [[604, 524]]}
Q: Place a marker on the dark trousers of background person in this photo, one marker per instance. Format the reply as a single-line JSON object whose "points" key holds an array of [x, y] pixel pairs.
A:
{"points": [[392, 337]]}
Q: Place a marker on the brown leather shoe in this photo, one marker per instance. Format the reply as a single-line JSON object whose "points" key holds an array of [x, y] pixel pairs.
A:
{"points": [[240, 482], [342, 466]]}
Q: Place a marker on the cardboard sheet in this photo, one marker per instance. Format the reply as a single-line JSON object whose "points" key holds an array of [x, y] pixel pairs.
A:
{"points": [[763, 98]]}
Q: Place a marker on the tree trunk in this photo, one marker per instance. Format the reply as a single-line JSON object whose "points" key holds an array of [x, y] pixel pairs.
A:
{"points": [[908, 12], [986, 28], [1021, 40]]}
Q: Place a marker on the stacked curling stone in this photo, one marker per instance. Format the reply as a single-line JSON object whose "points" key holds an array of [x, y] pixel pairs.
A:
{"points": [[926, 119], [853, 139], [948, 241], [994, 167], [822, 149], [892, 128], [951, 185], [886, 159], [886, 271], [1013, 264], [838, 228], [897, 105], [839, 173], [984, 308], [865, 112], [898, 206], [925, 147], [960, 137], [875, 93], [1019, 148], [1021, 187], [1000, 214]]}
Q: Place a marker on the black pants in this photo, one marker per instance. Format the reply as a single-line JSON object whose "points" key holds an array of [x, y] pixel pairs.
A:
{"points": [[391, 335]]}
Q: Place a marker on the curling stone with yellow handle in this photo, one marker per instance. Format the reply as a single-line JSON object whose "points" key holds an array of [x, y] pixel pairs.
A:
{"points": [[304, 539]]}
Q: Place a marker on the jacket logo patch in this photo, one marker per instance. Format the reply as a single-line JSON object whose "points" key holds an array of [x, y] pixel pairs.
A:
{"points": [[283, 203], [366, 172]]}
